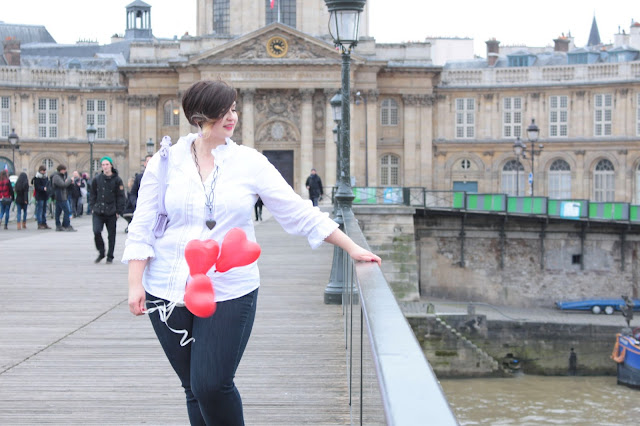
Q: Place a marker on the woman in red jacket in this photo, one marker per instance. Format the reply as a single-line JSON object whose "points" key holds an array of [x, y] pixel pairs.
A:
{"points": [[6, 196]]}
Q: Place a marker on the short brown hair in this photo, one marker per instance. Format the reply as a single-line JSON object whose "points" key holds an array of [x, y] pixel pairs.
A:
{"points": [[61, 167], [42, 168], [207, 101]]}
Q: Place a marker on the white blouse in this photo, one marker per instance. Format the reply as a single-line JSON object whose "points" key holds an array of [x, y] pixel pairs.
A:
{"points": [[243, 175]]}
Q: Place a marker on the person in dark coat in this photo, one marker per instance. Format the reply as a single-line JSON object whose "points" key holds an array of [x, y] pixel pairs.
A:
{"points": [[22, 200], [39, 183], [107, 203], [61, 183], [314, 185]]}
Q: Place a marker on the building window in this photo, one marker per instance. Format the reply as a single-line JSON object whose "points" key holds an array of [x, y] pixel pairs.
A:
{"points": [[97, 115], [512, 178], [284, 11], [48, 163], [221, 17], [47, 118], [511, 117], [560, 180], [465, 118], [389, 170], [558, 116], [603, 112], [604, 187], [389, 113], [465, 164], [171, 113], [5, 116], [638, 185]]}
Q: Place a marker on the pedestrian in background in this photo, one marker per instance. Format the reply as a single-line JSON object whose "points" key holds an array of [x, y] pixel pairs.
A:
{"points": [[6, 196], [61, 183], [22, 200], [314, 185], [39, 183], [107, 201]]}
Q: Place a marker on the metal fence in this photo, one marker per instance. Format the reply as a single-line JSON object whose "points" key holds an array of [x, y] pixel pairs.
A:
{"points": [[390, 380]]}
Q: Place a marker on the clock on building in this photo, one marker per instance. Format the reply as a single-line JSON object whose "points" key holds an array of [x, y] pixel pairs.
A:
{"points": [[277, 47]]}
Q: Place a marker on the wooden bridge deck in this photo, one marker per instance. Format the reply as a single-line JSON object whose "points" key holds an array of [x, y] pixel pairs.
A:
{"points": [[71, 353]]}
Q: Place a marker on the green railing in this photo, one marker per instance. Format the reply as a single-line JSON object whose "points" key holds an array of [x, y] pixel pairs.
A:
{"points": [[460, 200]]}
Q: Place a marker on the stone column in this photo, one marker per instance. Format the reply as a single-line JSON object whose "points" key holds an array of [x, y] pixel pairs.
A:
{"points": [[28, 123], [306, 136], [75, 114], [623, 189], [150, 131], [372, 135], [135, 129], [248, 118], [580, 179], [409, 122], [330, 148], [425, 139]]}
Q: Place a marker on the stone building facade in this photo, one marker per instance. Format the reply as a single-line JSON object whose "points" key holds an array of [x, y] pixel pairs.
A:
{"points": [[414, 122]]}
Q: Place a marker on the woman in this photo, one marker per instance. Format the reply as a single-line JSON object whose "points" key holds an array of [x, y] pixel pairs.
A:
{"points": [[212, 186], [6, 196], [22, 199]]}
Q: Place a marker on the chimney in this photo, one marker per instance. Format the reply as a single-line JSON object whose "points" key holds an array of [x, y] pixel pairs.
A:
{"points": [[12, 51], [561, 44], [493, 50]]}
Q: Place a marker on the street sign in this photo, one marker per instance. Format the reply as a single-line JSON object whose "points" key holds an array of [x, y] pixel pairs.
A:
{"points": [[530, 177]]}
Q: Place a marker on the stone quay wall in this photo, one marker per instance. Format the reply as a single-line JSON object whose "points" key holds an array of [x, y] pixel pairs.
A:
{"points": [[524, 261]]}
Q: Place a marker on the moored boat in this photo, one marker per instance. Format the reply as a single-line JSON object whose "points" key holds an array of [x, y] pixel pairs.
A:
{"points": [[626, 353]]}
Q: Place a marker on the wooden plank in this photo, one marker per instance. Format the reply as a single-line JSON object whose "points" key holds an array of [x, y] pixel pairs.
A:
{"points": [[71, 353]]}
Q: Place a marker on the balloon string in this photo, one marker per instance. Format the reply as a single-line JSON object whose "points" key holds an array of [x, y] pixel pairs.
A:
{"points": [[165, 312]]}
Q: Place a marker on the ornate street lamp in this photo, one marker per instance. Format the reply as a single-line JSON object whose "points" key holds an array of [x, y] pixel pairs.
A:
{"points": [[344, 23], [151, 147], [13, 140], [91, 137], [336, 108], [532, 133], [518, 148]]}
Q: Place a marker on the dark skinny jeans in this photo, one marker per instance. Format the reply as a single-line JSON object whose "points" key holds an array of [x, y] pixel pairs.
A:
{"points": [[207, 366], [99, 221]]}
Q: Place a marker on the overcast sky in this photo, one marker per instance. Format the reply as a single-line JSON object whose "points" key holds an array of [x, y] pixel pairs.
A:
{"points": [[534, 23]]}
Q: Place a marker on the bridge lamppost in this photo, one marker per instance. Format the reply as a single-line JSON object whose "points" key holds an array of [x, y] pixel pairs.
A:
{"points": [[344, 23], [366, 137], [91, 138], [518, 148], [13, 140], [532, 133]]}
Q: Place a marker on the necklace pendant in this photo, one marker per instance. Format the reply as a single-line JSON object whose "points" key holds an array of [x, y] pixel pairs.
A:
{"points": [[210, 223]]}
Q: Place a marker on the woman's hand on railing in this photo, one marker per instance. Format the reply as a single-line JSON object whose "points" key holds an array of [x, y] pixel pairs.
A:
{"points": [[357, 253]]}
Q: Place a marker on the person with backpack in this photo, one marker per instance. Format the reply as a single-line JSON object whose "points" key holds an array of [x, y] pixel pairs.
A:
{"points": [[107, 201], [41, 186], [6, 196]]}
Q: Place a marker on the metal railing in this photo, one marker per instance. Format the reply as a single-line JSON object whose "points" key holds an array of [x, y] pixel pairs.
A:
{"points": [[390, 380]]}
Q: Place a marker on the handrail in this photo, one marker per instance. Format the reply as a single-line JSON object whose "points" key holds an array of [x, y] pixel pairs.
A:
{"points": [[409, 390]]}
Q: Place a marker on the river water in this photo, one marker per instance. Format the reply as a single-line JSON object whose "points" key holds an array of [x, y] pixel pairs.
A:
{"points": [[543, 400]]}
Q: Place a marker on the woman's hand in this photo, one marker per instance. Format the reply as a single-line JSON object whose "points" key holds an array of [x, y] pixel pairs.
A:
{"points": [[137, 299], [357, 253], [361, 255], [137, 294]]}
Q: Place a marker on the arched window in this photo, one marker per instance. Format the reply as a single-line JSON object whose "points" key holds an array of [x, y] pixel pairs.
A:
{"points": [[604, 181], [171, 113], [390, 170], [284, 11], [389, 113], [48, 163], [638, 183], [560, 180], [513, 178], [465, 164]]}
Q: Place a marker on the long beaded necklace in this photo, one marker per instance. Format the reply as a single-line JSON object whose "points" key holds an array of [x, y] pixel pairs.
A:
{"points": [[210, 222]]}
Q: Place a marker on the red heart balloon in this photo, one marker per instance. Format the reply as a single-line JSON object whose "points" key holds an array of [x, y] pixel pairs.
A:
{"points": [[236, 250], [199, 296], [201, 255]]}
